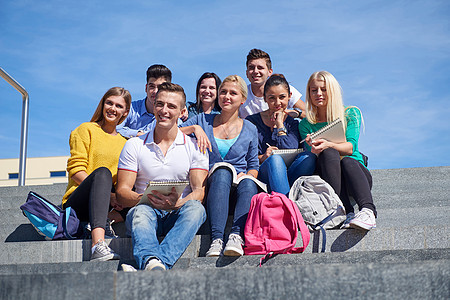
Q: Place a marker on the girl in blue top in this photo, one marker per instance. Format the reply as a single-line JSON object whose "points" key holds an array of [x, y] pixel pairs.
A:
{"points": [[339, 164], [207, 92], [234, 141], [277, 130]]}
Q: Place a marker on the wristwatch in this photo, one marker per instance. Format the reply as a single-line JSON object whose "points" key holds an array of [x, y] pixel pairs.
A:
{"points": [[278, 130]]}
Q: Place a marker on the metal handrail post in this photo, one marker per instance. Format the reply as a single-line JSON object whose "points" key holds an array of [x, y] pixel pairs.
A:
{"points": [[24, 129]]}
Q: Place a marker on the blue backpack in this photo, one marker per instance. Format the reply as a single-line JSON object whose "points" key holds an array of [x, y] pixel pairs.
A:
{"points": [[51, 221]]}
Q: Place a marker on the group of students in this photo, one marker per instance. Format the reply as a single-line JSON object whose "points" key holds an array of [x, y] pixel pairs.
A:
{"points": [[127, 144]]}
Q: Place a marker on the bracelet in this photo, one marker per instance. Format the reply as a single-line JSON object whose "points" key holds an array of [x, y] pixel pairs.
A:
{"points": [[299, 111]]}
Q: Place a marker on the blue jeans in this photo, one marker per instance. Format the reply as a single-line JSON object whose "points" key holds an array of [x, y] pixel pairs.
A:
{"points": [[279, 178], [218, 202], [179, 227]]}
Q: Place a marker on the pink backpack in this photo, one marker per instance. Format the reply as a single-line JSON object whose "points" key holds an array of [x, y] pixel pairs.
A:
{"points": [[272, 226]]}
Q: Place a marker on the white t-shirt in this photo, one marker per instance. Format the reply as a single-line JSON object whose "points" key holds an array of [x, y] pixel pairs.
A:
{"points": [[254, 105], [143, 156]]}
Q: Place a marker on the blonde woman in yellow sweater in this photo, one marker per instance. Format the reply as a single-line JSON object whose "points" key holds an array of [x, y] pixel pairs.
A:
{"points": [[94, 155]]}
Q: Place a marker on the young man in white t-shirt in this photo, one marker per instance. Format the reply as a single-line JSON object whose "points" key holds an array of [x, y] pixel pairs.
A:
{"points": [[259, 68], [164, 153]]}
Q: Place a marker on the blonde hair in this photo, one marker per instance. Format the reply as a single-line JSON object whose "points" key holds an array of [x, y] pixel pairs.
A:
{"points": [[335, 104], [114, 91], [239, 81]]}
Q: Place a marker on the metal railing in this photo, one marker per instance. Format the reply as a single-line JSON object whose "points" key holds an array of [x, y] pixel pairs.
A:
{"points": [[24, 129]]}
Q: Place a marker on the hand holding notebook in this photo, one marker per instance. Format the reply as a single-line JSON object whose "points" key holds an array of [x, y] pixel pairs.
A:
{"points": [[333, 132]]}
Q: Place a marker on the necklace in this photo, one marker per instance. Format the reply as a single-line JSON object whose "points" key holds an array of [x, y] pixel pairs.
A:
{"points": [[227, 133], [228, 129]]}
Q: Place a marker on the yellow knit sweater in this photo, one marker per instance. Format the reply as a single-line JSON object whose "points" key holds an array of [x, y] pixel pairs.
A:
{"points": [[92, 148]]}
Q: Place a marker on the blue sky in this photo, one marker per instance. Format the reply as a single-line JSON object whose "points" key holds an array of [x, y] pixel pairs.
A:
{"points": [[392, 59]]}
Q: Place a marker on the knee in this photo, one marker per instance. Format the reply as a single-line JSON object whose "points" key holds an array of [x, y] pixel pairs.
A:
{"points": [[103, 171], [276, 161], [307, 158], [348, 163], [328, 155], [330, 152], [222, 173], [247, 185], [194, 210], [103, 174]]}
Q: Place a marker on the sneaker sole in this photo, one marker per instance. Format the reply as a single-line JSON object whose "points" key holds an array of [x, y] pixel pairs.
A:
{"points": [[233, 252], [104, 258], [361, 225], [213, 254], [156, 268]]}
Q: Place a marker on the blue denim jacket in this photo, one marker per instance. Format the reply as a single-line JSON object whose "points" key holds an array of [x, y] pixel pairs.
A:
{"points": [[138, 119], [243, 155]]}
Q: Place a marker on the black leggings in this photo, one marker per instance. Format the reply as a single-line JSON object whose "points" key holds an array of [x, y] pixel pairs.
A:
{"points": [[91, 198], [347, 177]]}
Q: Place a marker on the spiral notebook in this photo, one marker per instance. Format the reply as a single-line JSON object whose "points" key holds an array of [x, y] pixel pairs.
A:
{"points": [[288, 155], [164, 187], [333, 132]]}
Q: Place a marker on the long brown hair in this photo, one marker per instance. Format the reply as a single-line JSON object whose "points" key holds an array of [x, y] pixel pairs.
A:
{"points": [[114, 91]]}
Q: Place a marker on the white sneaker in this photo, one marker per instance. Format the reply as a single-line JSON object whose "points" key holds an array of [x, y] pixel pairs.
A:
{"points": [[234, 246], [101, 252], [128, 268], [215, 249], [365, 219], [154, 264], [346, 224]]}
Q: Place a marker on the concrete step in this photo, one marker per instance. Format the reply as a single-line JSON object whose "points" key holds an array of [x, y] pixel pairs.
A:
{"points": [[61, 268], [19, 233], [411, 199], [416, 280], [418, 174], [350, 240], [251, 261], [9, 202], [43, 190], [382, 198]]}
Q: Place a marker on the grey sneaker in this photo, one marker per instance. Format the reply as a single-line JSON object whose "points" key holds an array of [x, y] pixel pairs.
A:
{"points": [[215, 249], [155, 264], [101, 252], [365, 219], [234, 246], [346, 224], [109, 231]]}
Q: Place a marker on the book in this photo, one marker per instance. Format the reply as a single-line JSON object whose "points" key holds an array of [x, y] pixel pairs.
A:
{"points": [[333, 132], [164, 187], [261, 185], [288, 155]]}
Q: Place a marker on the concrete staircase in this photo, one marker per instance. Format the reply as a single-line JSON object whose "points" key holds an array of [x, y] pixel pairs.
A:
{"points": [[406, 256]]}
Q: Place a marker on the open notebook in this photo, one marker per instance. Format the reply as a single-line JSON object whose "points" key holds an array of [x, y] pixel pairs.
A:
{"points": [[261, 185]]}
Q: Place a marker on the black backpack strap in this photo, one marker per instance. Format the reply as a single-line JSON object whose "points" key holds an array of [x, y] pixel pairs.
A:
{"points": [[320, 225], [66, 215]]}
